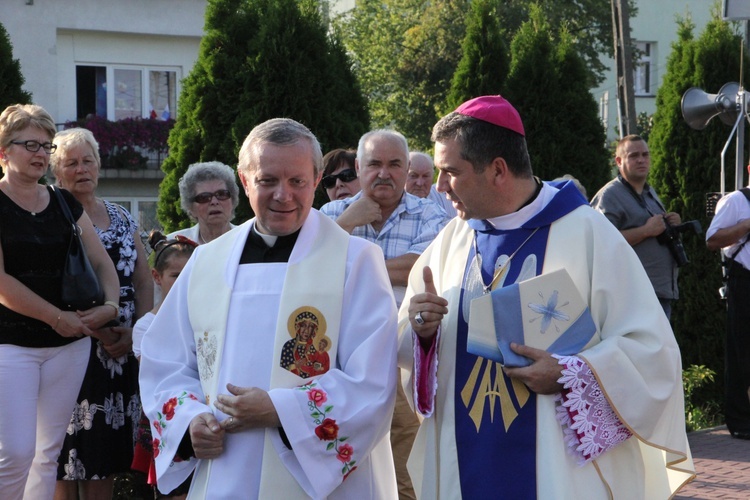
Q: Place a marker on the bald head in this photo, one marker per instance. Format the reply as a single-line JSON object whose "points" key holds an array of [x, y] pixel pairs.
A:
{"points": [[421, 173]]}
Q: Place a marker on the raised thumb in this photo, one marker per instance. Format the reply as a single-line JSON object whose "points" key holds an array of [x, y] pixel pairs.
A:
{"points": [[429, 285]]}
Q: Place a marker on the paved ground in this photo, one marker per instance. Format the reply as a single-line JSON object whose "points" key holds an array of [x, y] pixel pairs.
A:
{"points": [[722, 464]]}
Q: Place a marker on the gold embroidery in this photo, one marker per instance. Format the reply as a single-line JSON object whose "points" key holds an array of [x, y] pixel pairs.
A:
{"points": [[494, 388]]}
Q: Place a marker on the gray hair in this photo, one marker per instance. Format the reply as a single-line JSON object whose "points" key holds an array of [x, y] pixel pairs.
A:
{"points": [[71, 138], [382, 132], [281, 132], [207, 171]]}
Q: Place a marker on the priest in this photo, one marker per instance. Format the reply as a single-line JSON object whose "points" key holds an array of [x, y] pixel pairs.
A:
{"points": [[603, 421], [269, 371]]}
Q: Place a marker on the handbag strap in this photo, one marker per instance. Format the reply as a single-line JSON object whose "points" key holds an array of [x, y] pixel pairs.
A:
{"points": [[63, 205]]}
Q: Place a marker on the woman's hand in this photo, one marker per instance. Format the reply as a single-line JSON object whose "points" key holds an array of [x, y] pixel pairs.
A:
{"points": [[70, 325], [98, 316], [124, 343]]}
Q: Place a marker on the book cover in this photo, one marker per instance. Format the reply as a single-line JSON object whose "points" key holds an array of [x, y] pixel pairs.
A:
{"points": [[546, 312]]}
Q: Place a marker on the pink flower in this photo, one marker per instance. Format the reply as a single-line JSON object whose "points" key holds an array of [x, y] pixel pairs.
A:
{"points": [[191, 396], [317, 396], [327, 430], [345, 453], [157, 426]]}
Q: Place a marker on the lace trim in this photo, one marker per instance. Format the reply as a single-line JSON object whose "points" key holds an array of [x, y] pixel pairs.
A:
{"points": [[590, 425], [425, 375]]}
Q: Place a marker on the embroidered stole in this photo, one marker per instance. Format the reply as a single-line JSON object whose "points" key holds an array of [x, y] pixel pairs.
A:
{"points": [[209, 295]]}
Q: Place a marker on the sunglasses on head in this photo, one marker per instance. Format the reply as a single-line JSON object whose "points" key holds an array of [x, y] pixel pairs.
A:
{"points": [[221, 195], [347, 175]]}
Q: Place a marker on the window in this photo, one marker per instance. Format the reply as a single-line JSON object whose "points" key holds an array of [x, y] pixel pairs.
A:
{"points": [[143, 211], [135, 92], [644, 74]]}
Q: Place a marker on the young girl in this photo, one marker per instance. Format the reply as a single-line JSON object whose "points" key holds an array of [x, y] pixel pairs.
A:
{"points": [[167, 260]]}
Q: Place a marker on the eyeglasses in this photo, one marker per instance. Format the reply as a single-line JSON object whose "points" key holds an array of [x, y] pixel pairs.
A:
{"points": [[34, 146], [221, 195], [347, 175]]}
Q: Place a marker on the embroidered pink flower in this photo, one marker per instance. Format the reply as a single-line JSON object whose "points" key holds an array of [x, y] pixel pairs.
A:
{"points": [[327, 430], [168, 408], [345, 453], [157, 426], [156, 447], [191, 396], [317, 396]]}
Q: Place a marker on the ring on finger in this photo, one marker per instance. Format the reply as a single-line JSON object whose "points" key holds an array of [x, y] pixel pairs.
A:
{"points": [[419, 319], [231, 420]]}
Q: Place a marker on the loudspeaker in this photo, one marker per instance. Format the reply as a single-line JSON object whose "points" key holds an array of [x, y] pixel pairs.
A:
{"points": [[698, 107]]}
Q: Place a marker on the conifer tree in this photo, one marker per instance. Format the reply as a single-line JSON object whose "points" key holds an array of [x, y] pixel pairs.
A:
{"points": [[484, 64], [547, 84], [11, 79], [259, 59], [685, 165]]}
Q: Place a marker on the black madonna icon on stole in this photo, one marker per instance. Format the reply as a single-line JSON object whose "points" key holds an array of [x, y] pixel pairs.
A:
{"points": [[306, 353]]}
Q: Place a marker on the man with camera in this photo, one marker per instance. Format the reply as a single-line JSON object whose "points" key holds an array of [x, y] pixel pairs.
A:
{"points": [[632, 205], [729, 232]]}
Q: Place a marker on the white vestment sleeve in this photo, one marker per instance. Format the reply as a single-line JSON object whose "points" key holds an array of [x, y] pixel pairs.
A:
{"points": [[334, 422], [170, 388]]}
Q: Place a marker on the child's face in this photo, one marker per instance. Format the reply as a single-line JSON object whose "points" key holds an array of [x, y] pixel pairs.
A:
{"points": [[166, 279]]}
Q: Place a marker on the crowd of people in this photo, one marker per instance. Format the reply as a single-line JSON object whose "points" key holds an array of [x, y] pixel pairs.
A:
{"points": [[332, 353]]}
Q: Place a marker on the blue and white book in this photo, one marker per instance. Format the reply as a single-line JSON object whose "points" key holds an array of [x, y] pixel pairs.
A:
{"points": [[546, 312]]}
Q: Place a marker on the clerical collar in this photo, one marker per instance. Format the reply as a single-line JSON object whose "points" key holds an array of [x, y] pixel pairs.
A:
{"points": [[542, 195], [266, 248]]}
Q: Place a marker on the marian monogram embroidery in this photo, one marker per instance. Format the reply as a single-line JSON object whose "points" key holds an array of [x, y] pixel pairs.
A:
{"points": [[327, 429], [486, 384]]}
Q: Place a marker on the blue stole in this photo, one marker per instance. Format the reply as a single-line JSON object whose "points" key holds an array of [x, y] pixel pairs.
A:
{"points": [[495, 418]]}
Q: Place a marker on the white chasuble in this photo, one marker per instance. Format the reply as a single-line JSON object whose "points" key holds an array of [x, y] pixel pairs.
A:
{"points": [[334, 399]]}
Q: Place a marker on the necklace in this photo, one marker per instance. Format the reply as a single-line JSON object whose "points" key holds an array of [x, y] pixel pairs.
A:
{"points": [[13, 197], [500, 271]]}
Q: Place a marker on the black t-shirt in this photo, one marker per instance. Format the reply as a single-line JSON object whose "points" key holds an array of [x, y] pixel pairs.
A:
{"points": [[34, 250]]}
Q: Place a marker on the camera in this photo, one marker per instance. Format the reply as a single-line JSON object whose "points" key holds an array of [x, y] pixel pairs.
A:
{"points": [[672, 239]]}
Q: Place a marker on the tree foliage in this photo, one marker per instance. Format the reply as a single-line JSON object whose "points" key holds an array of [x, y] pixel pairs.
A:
{"points": [[259, 59], [406, 51], [547, 84], [685, 166], [11, 79], [484, 64]]}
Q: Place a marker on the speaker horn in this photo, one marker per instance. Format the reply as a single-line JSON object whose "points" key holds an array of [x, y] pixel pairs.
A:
{"points": [[698, 107]]}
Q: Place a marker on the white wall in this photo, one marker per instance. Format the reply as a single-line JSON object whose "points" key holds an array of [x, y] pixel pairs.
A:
{"points": [[655, 22], [50, 36]]}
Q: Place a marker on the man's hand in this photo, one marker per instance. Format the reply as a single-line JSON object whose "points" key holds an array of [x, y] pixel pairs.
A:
{"points": [[673, 218], [430, 306], [655, 225], [248, 408], [360, 213], [542, 375], [207, 436]]}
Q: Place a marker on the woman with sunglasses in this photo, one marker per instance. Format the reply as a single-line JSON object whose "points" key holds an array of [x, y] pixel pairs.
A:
{"points": [[209, 195], [339, 174], [42, 353], [99, 443]]}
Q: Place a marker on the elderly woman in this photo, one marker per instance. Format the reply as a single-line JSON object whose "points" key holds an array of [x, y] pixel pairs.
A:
{"points": [[209, 195], [100, 438], [42, 355], [339, 174]]}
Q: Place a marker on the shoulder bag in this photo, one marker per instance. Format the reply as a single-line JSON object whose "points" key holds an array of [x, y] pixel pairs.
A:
{"points": [[80, 289]]}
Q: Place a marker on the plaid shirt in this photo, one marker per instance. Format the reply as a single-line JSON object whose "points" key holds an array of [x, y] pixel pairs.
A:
{"points": [[410, 229]]}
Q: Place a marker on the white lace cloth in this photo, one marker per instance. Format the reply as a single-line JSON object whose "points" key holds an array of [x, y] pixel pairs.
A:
{"points": [[589, 423]]}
